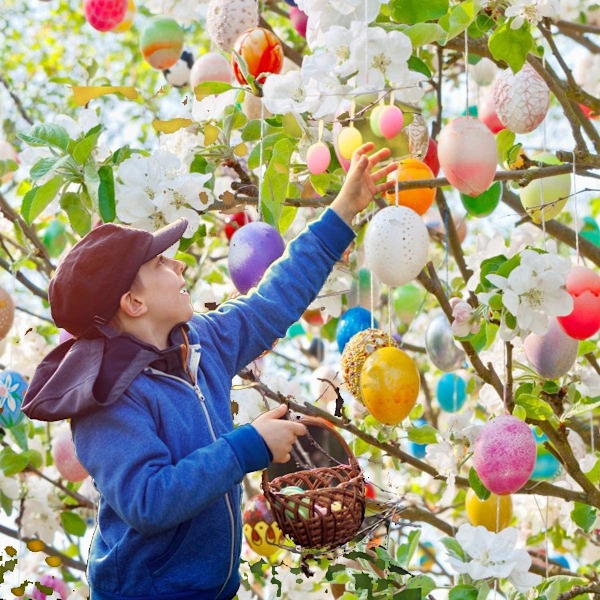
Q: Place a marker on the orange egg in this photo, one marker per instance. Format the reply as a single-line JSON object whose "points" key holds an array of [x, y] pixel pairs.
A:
{"points": [[7, 313], [262, 52], [420, 199]]}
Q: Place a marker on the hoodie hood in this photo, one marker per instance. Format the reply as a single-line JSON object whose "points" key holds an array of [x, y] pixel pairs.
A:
{"points": [[83, 375]]}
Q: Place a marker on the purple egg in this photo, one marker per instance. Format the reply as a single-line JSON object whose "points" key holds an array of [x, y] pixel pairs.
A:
{"points": [[252, 249]]}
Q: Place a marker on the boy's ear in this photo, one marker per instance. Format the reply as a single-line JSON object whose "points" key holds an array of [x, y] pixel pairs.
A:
{"points": [[132, 305]]}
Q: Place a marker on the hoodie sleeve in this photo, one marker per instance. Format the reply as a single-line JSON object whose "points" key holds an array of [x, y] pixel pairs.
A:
{"points": [[241, 329]]}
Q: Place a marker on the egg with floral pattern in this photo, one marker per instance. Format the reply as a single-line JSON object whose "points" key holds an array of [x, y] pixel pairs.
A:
{"points": [[12, 389], [260, 528]]}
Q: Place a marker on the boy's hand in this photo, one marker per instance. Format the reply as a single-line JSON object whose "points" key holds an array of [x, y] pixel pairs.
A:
{"points": [[360, 186], [279, 435]]}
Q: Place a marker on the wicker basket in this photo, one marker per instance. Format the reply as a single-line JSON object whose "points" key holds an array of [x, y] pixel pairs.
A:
{"points": [[331, 508]]}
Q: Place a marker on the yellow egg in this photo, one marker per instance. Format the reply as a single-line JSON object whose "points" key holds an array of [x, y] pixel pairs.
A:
{"points": [[485, 512], [125, 24], [348, 141], [389, 385]]}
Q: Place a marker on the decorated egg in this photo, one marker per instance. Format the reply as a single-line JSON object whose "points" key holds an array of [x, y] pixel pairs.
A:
{"points": [[407, 300], [468, 155], [363, 288], [350, 323], [396, 245], [547, 465], [584, 286], [418, 135], [504, 454], [64, 456], [494, 513], [370, 490], [211, 66], [553, 354], [7, 312], [299, 20], [426, 556], [179, 74], [234, 221], [483, 72], [420, 199], [484, 204], [374, 120], [7, 152], [226, 20], [431, 157], [303, 509], [103, 15], [318, 158], [12, 389], [262, 52], [451, 392], [521, 99], [488, 115], [416, 449], [359, 347], [127, 22], [260, 528], [441, 348], [349, 139], [391, 121], [389, 385], [161, 42], [544, 198], [252, 249]]}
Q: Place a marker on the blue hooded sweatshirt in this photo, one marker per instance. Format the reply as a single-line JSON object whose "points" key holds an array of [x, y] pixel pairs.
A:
{"points": [[163, 451]]}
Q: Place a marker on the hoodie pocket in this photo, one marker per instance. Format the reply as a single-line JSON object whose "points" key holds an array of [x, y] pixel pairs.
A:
{"points": [[172, 548]]}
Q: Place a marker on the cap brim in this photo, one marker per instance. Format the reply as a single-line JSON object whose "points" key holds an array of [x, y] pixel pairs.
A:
{"points": [[165, 237]]}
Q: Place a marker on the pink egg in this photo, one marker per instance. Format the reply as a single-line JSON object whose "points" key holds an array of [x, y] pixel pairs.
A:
{"points": [[584, 321], [65, 460], [211, 66], [391, 121], [318, 158], [489, 117], [468, 155], [504, 454], [299, 20], [252, 249], [103, 15]]}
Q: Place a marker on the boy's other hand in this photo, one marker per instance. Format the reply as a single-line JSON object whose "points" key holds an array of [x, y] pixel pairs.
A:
{"points": [[278, 433]]}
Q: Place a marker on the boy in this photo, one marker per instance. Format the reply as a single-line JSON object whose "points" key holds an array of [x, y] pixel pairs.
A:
{"points": [[146, 385]]}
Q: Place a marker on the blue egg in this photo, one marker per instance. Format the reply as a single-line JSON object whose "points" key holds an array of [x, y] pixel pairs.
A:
{"points": [[351, 322], [451, 392], [547, 465], [561, 560], [417, 450], [12, 389]]}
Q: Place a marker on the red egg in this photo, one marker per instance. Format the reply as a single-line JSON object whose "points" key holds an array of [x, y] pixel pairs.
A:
{"points": [[369, 490], [103, 15], [584, 321], [488, 115], [235, 221], [262, 52], [431, 157]]}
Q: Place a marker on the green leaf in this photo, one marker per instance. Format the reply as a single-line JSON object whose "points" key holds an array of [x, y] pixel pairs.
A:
{"points": [[480, 26], [106, 194], [288, 214], [7, 505], [454, 548], [408, 594], [7, 166], [38, 198], [47, 134], [267, 144], [208, 88], [519, 412], [422, 435], [419, 66], [91, 179], [585, 347], [422, 34], [536, 408], [458, 19], [83, 148], [12, 463], [320, 183], [463, 592], [44, 166], [417, 11], [422, 582], [505, 140], [275, 182], [489, 265], [476, 484], [79, 217], [34, 458], [511, 45], [584, 516], [19, 434], [580, 408], [291, 127], [484, 590], [72, 523]]}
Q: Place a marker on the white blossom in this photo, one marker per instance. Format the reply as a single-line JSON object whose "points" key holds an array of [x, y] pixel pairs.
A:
{"points": [[212, 108], [287, 93], [490, 400], [9, 486], [40, 516], [532, 11], [183, 11]]}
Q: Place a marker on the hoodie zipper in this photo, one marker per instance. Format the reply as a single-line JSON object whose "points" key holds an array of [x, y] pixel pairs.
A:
{"points": [[194, 362]]}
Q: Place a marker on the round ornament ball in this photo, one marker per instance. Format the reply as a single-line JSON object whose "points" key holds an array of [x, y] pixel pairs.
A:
{"points": [[407, 300], [299, 20], [374, 120], [396, 245], [494, 513], [262, 52], [211, 66], [468, 155], [584, 320], [504, 454], [64, 456], [348, 140], [451, 392], [7, 312], [318, 158], [419, 199], [590, 230], [553, 354], [391, 121], [103, 15], [431, 157], [483, 72], [12, 389], [127, 22], [521, 99], [441, 348], [416, 449], [161, 42], [234, 222], [547, 465], [179, 74], [360, 346], [389, 385], [226, 20], [350, 323], [484, 204], [252, 249], [260, 528]]}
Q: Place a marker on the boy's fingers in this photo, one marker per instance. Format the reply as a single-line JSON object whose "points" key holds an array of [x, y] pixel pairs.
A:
{"points": [[299, 429], [384, 171], [279, 411], [384, 187], [378, 156], [363, 149]]}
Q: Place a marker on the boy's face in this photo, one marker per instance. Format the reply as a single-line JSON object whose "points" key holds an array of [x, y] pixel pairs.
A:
{"points": [[163, 290]]}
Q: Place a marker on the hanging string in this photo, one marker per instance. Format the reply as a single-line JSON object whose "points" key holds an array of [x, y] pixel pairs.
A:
{"points": [[578, 257], [389, 315], [372, 284], [466, 73]]}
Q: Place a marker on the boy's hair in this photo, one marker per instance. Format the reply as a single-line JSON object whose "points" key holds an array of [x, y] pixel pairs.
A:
{"points": [[88, 284]]}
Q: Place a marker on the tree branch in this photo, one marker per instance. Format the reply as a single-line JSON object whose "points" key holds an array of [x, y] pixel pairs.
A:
{"points": [[16, 100]]}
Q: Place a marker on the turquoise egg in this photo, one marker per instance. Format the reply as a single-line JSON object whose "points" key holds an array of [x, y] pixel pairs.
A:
{"points": [[451, 392], [547, 465], [417, 450]]}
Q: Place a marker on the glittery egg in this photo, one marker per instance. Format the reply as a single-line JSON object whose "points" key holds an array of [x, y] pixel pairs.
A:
{"points": [[7, 313], [553, 354], [441, 348], [348, 140], [318, 158], [451, 392], [468, 155], [391, 121], [103, 15], [211, 66], [389, 385], [584, 286], [521, 99], [161, 42], [504, 454], [350, 323], [12, 389], [359, 347], [260, 528], [127, 22], [252, 249], [262, 52], [396, 245]]}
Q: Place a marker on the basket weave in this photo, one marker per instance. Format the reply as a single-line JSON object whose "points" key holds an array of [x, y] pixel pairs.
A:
{"points": [[330, 510]]}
